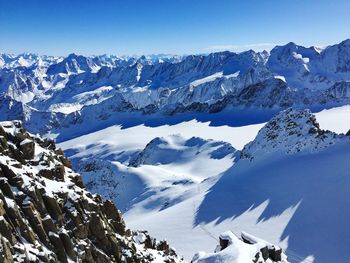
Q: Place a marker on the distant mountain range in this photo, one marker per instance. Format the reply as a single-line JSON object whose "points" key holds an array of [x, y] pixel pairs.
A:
{"points": [[62, 91]]}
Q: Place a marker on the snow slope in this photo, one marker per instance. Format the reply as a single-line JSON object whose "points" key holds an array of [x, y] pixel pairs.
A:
{"points": [[335, 119], [176, 189], [247, 248]]}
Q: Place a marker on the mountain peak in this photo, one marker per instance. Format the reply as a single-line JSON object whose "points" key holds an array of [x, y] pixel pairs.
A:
{"points": [[72, 55], [290, 131]]}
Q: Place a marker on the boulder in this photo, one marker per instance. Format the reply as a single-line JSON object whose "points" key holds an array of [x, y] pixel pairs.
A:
{"points": [[163, 246], [149, 242], [47, 173], [5, 251], [81, 231], [97, 231], [116, 219], [12, 178], [3, 144], [2, 207], [68, 245], [35, 221], [5, 188], [7, 231], [223, 243], [58, 247], [59, 172], [52, 207], [2, 132], [49, 225], [275, 254], [28, 149]]}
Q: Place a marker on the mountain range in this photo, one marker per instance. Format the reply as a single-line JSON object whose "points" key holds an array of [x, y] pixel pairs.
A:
{"points": [[196, 149], [77, 89]]}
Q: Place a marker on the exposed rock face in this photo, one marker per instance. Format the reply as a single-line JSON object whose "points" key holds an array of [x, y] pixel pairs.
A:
{"points": [[46, 215]]}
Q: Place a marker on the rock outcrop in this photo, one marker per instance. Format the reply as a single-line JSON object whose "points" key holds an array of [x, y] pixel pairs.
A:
{"points": [[246, 248], [46, 214], [290, 131]]}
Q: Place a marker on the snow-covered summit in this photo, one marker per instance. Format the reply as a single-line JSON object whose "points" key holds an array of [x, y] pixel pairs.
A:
{"points": [[175, 149], [290, 131]]}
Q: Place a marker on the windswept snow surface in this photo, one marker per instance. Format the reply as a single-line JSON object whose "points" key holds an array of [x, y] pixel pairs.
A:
{"points": [[206, 79], [116, 139]]}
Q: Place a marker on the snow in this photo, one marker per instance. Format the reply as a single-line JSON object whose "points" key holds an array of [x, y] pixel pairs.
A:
{"points": [[233, 75], [177, 223], [206, 79], [237, 250], [116, 139], [25, 141], [335, 119], [184, 195], [140, 238], [10, 202], [281, 78], [65, 108]]}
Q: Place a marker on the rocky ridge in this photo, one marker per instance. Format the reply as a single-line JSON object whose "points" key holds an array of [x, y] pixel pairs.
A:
{"points": [[290, 131], [47, 215]]}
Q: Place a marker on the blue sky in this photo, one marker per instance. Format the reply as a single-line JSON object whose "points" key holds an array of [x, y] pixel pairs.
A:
{"points": [[167, 26]]}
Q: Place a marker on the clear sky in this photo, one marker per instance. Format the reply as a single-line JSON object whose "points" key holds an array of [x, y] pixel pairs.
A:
{"points": [[126, 27]]}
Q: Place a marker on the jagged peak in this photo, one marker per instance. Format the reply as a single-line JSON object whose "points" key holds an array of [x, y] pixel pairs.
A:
{"points": [[290, 131], [72, 55], [345, 42]]}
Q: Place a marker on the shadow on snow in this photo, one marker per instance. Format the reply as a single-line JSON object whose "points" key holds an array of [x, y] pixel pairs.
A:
{"points": [[319, 182]]}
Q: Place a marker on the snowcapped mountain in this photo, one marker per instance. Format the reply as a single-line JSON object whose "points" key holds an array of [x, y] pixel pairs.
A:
{"points": [[47, 215], [162, 167], [290, 132], [174, 149], [289, 75], [26, 60], [73, 64]]}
